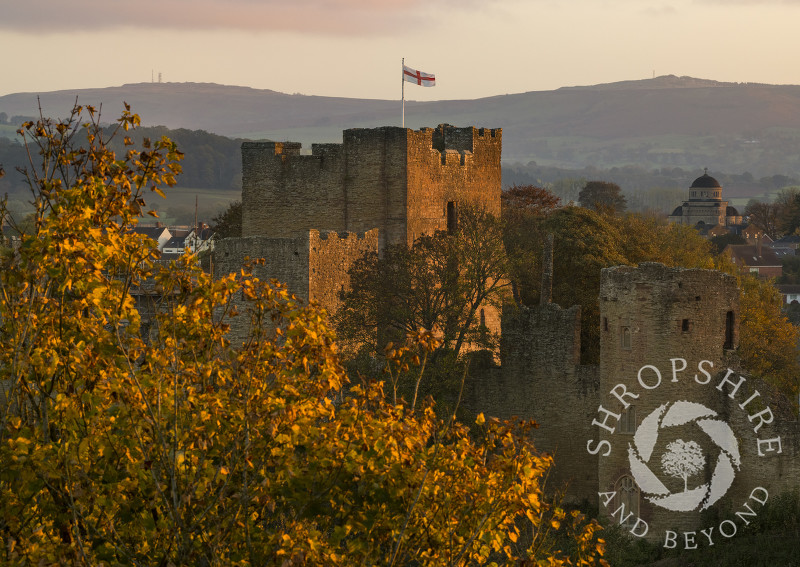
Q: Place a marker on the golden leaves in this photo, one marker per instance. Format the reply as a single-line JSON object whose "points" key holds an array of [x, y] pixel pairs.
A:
{"points": [[181, 449]]}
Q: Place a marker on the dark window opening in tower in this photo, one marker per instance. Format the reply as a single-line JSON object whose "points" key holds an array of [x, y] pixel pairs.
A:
{"points": [[685, 326], [729, 324], [452, 218]]}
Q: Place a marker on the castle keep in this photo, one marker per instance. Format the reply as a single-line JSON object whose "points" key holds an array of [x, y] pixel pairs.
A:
{"points": [[406, 183], [311, 216]]}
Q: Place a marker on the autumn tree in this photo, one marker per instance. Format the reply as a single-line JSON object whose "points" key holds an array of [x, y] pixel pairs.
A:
{"points": [[765, 216], [520, 200], [768, 341], [184, 449], [602, 196], [440, 283]]}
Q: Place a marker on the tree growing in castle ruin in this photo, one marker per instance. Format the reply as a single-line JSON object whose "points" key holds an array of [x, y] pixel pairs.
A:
{"points": [[439, 284], [182, 450], [228, 223]]}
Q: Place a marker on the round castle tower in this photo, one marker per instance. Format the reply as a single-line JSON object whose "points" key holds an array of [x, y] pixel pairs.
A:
{"points": [[655, 319]]}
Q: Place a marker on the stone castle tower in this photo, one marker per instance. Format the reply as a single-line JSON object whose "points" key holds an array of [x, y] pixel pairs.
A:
{"points": [[312, 216], [406, 183], [654, 317]]}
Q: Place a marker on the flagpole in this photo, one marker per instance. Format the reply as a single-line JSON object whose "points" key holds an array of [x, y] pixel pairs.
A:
{"points": [[403, 91]]}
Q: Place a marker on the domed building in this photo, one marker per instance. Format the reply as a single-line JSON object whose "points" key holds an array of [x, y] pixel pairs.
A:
{"points": [[705, 208]]}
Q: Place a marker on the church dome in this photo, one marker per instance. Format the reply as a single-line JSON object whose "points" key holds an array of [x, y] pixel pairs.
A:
{"points": [[731, 212], [705, 181], [706, 188], [677, 212]]}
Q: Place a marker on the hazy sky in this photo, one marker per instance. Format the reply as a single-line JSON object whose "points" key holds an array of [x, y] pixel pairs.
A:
{"points": [[353, 48]]}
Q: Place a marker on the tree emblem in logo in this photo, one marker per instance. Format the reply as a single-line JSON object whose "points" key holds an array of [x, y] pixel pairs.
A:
{"points": [[683, 459]]}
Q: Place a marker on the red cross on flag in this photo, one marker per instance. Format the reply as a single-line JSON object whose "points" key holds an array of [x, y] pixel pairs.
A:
{"points": [[418, 77]]}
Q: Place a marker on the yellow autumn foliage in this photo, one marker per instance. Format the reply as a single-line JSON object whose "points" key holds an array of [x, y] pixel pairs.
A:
{"points": [[126, 441]]}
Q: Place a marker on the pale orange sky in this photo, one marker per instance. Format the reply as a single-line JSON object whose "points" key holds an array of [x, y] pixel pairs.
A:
{"points": [[353, 48]]}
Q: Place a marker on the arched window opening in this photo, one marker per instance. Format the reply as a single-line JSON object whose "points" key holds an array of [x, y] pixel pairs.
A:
{"points": [[625, 337], [625, 508]]}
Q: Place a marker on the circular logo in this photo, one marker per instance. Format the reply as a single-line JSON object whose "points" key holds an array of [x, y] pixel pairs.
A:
{"points": [[683, 459]]}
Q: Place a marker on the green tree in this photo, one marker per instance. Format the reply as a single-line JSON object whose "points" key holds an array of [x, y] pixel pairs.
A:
{"points": [[788, 202], [791, 270], [602, 196], [723, 240], [650, 238], [182, 450], [228, 223], [584, 243]]}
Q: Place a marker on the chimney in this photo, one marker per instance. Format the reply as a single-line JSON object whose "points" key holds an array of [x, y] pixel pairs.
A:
{"points": [[759, 240], [547, 272]]}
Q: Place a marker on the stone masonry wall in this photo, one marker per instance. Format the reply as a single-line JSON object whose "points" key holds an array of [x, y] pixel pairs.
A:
{"points": [[540, 378], [330, 256], [395, 179], [451, 165], [285, 259], [284, 194], [313, 266]]}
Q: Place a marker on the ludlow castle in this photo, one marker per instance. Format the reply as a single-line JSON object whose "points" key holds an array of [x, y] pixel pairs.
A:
{"points": [[666, 382]]}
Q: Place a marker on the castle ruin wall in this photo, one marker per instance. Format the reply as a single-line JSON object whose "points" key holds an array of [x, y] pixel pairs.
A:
{"points": [[330, 256], [540, 378]]}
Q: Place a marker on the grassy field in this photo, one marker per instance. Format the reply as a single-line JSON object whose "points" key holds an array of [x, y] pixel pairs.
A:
{"points": [[177, 208], [179, 205]]}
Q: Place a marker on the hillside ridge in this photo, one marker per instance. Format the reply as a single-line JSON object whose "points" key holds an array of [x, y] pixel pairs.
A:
{"points": [[664, 121]]}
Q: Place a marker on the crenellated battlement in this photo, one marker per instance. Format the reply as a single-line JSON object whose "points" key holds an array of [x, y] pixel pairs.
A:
{"points": [[316, 235], [398, 180]]}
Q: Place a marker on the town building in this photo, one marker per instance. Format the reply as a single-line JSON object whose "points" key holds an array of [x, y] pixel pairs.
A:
{"points": [[705, 208]]}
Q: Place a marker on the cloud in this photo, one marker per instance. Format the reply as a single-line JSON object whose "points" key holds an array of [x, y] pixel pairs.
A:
{"points": [[337, 17], [750, 2]]}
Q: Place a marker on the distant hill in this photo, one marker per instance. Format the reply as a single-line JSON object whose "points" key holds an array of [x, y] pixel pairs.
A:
{"points": [[665, 122]]}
